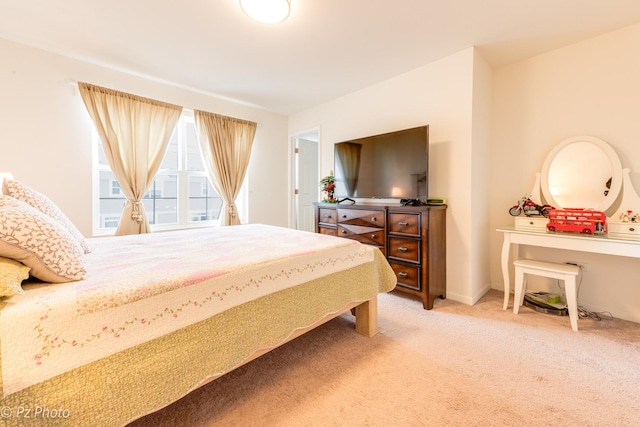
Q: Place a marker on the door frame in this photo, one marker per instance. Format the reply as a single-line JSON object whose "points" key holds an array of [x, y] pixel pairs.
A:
{"points": [[292, 199]]}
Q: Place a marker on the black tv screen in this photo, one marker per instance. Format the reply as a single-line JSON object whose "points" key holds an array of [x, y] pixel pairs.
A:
{"points": [[391, 165]]}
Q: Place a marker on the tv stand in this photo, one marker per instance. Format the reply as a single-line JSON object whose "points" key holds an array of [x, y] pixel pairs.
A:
{"points": [[412, 238]]}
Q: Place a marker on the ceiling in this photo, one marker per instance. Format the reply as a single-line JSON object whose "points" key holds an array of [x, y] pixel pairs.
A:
{"points": [[325, 49]]}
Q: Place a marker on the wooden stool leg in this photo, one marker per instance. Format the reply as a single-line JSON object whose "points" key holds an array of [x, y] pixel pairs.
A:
{"points": [[519, 289], [572, 299]]}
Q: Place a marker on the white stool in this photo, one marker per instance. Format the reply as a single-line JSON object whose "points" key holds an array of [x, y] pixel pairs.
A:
{"points": [[566, 272]]}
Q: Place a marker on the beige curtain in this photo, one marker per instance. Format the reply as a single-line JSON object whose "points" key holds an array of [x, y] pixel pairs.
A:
{"points": [[135, 133], [348, 154], [225, 143]]}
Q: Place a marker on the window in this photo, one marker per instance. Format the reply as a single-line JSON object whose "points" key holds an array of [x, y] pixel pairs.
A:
{"points": [[180, 196], [115, 188]]}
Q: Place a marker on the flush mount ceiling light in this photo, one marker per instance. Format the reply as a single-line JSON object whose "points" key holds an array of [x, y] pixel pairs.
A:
{"points": [[267, 11]]}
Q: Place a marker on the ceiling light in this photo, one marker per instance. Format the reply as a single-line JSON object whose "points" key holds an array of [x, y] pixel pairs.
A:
{"points": [[267, 11]]}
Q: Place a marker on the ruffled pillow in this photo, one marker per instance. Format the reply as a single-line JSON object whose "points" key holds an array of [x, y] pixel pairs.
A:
{"points": [[42, 203], [12, 273], [39, 242]]}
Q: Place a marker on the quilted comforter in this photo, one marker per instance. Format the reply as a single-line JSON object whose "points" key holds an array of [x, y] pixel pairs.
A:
{"points": [[171, 309]]}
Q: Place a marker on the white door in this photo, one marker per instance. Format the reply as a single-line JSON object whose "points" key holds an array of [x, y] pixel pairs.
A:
{"points": [[306, 177]]}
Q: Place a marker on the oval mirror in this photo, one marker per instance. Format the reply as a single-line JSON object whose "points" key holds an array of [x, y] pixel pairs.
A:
{"points": [[582, 172]]}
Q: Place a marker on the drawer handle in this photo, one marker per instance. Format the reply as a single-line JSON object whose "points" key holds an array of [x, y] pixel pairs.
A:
{"points": [[402, 249], [373, 219], [344, 216], [344, 231], [402, 274], [373, 236], [530, 222], [632, 229], [328, 216], [403, 223]]}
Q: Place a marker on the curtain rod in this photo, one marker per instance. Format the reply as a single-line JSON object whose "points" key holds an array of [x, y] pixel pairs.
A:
{"points": [[74, 83]]}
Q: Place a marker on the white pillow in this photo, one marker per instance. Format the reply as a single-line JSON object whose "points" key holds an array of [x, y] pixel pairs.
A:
{"points": [[45, 205], [12, 273], [39, 242]]}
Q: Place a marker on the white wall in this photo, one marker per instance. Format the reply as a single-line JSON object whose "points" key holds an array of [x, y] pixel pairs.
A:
{"points": [[480, 187], [589, 88], [45, 131], [441, 95]]}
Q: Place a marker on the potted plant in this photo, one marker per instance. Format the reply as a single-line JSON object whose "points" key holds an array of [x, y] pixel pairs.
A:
{"points": [[328, 184]]}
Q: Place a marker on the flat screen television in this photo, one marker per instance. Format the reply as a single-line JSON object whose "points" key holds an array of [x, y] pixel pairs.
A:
{"points": [[388, 166]]}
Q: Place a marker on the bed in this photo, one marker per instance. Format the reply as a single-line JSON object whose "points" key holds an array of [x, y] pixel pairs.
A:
{"points": [[156, 316]]}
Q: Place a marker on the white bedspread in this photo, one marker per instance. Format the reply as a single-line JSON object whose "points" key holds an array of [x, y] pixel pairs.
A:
{"points": [[141, 287]]}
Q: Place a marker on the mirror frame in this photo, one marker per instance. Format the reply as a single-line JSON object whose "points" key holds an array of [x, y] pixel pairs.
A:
{"points": [[616, 175]]}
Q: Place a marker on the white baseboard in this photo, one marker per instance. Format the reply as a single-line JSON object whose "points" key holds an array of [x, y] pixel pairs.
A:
{"points": [[466, 299]]}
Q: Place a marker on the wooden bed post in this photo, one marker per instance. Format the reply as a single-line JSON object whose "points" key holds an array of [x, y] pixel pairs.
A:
{"points": [[367, 317]]}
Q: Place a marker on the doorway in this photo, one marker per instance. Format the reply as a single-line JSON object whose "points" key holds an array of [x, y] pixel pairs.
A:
{"points": [[306, 149]]}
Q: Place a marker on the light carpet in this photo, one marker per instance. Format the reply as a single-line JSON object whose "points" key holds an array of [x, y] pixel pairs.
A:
{"points": [[454, 365]]}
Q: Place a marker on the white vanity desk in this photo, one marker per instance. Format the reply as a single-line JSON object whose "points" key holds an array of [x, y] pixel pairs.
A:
{"points": [[601, 244], [582, 171]]}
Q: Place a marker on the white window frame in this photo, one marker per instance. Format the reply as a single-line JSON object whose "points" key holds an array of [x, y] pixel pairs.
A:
{"points": [[184, 220]]}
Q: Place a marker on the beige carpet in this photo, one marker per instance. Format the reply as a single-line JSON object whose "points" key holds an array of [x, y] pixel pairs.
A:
{"points": [[454, 365]]}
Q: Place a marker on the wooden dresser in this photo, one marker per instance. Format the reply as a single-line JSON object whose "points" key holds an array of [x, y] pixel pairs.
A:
{"points": [[413, 239]]}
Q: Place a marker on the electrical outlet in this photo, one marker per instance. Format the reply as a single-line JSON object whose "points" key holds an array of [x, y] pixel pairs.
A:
{"points": [[581, 264]]}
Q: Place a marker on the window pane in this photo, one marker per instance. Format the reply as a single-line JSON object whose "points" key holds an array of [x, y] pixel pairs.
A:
{"points": [[111, 200], [204, 202], [102, 158], [170, 160], [161, 200], [194, 159]]}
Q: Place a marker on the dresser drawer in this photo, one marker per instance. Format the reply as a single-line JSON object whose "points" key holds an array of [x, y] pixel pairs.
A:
{"points": [[330, 231], [408, 276], [531, 223], [404, 249], [327, 216], [404, 223], [623, 229], [369, 235], [361, 217]]}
